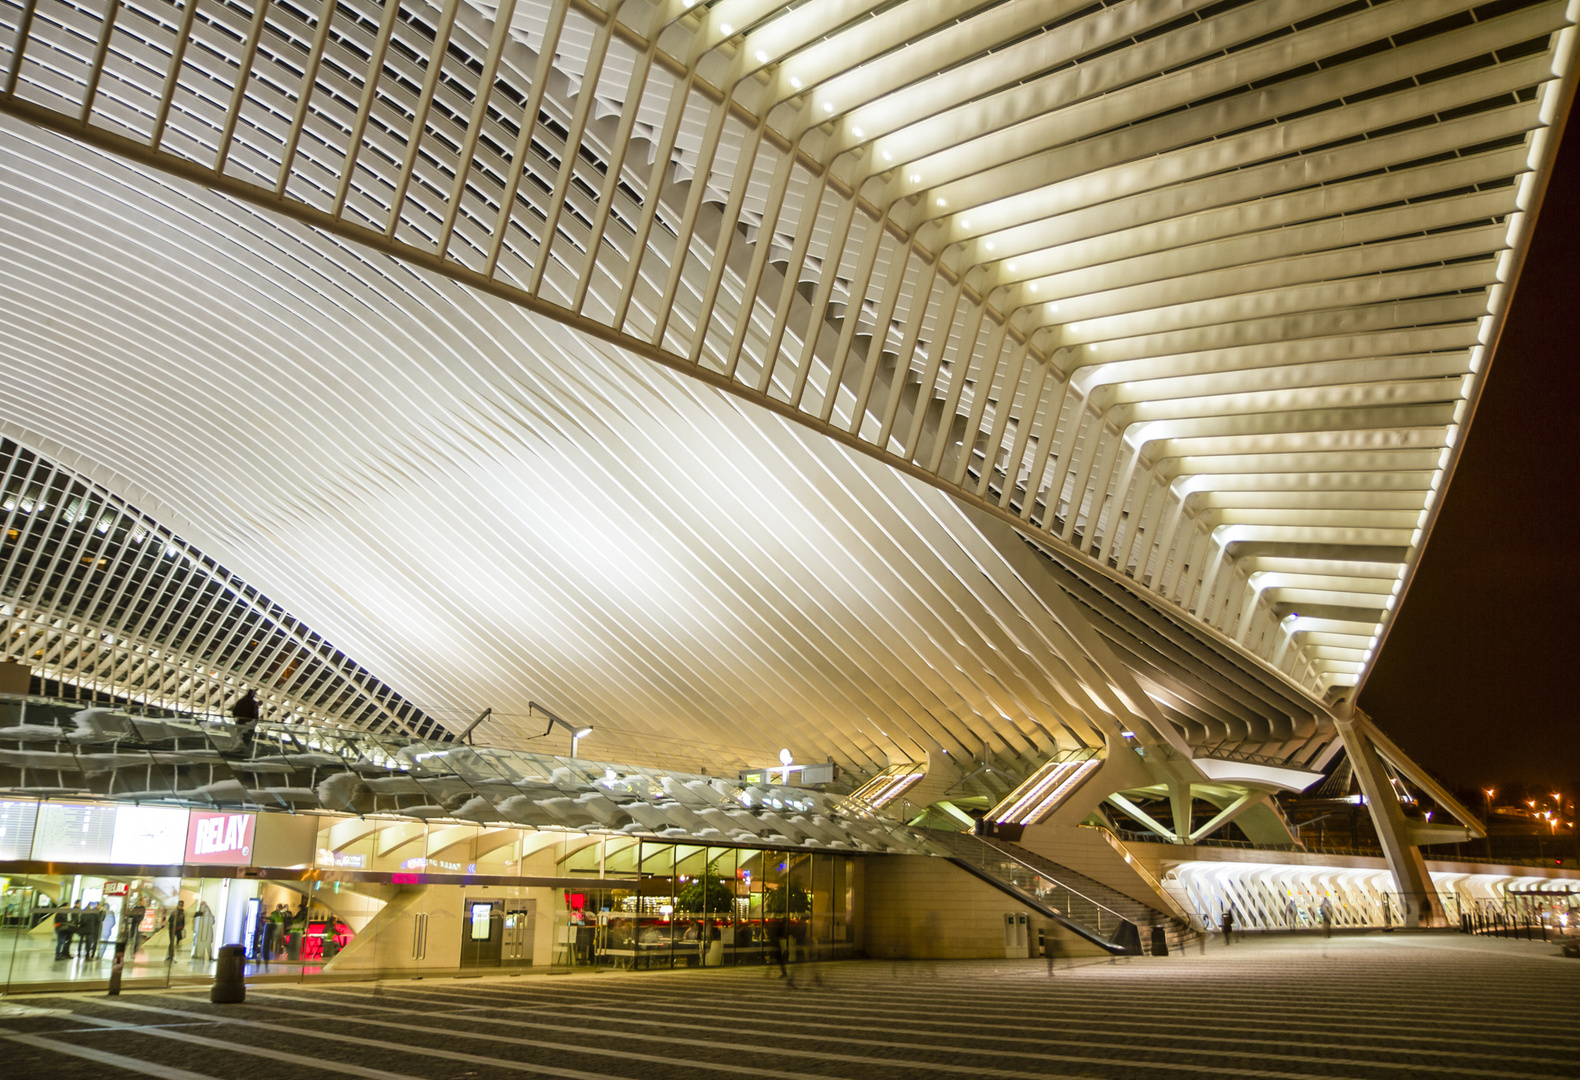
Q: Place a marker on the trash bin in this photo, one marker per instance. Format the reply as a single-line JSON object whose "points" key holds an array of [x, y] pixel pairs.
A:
{"points": [[229, 989], [1160, 940]]}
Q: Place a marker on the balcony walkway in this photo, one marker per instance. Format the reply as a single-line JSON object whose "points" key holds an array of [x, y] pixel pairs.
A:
{"points": [[1384, 1006]]}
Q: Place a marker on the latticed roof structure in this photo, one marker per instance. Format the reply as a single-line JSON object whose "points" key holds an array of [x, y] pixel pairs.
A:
{"points": [[880, 379]]}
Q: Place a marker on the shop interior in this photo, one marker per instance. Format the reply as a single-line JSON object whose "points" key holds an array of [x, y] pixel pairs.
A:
{"points": [[344, 897]]}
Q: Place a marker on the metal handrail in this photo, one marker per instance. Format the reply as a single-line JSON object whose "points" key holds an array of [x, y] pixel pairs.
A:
{"points": [[1094, 919], [1145, 874]]}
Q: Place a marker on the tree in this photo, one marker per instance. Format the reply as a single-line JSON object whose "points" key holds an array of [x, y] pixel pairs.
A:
{"points": [[788, 898], [708, 893]]}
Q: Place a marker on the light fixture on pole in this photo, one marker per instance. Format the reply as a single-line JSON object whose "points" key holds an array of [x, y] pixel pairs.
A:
{"points": [[466, 734], [577, 733], [786, 760]]}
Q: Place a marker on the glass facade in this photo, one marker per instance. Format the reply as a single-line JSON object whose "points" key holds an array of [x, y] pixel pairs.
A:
{"points": [[692, 905], [339, 897], [331, 853]]}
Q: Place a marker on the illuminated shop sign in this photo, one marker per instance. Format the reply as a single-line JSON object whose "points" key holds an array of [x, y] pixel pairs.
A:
{"points": [[340, 860], [220, 839], [424, 863]]}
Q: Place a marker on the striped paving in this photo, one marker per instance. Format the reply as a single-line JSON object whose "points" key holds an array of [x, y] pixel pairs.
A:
{"points": [[1377, 1006]]}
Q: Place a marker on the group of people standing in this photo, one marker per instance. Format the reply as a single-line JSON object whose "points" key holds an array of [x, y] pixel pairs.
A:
{"points": [[89, 926], [82, 925], [275, 929]]}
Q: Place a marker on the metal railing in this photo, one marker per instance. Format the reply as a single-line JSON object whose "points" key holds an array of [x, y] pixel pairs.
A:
{"points": [[1142, 872], [1097, 917]]}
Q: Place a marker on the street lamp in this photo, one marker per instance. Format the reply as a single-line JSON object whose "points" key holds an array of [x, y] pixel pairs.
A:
{"points": [[1489, 792], [577, 733]]}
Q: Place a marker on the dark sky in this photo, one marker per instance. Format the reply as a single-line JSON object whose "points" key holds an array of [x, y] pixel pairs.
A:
{"points": [[1476, 681]]}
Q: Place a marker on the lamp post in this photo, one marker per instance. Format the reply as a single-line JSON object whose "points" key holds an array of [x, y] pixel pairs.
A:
{"points": [[1489, 793], [577, 733]]}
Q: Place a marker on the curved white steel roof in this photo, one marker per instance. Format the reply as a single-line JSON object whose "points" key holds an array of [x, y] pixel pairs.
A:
{"points": [[1198, 296]]}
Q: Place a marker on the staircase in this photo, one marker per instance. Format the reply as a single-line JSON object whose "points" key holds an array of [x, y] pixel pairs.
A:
{"points": [[1086, 906], [1138, 912]]}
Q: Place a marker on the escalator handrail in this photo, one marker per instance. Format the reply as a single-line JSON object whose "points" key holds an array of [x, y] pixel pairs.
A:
{"points": [[1073, 925]]}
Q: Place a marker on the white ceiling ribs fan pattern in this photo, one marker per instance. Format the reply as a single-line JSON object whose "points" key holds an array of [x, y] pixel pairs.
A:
{"points": [[1198, 294], [484, 508]]}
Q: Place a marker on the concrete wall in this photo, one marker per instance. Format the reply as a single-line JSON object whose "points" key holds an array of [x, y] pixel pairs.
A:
{"points": [[921, 908]]}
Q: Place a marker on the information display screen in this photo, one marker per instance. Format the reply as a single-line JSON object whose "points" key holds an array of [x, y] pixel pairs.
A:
{"points": [[74, 832], [149, 835], [481, 920], [17, 818], [93, 833]]}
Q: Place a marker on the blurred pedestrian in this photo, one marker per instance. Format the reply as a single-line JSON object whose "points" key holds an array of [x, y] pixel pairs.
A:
{"points": [[245, 713], [89, 926], [178, 928], [64, 927], [134, 928]]}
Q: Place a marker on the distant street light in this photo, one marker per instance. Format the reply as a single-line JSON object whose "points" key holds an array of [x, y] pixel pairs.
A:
{"points": [[1489, 793]]}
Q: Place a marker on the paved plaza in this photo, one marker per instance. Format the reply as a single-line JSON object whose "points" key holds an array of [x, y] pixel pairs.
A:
{"points": [[1387, 1006]]}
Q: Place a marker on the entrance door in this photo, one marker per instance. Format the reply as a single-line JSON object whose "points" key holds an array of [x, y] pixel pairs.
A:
{"points": [[521, 917], [482, 933]]}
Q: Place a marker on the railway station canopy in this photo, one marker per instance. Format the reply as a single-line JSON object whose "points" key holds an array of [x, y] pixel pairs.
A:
{"points": [[1015, 404]]}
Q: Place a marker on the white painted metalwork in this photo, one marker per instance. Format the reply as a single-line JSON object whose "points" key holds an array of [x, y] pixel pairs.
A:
{"points": [[1198, 296]]}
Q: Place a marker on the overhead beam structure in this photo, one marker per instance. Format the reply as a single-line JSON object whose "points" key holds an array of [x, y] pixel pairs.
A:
{"points": [[686, 364]]}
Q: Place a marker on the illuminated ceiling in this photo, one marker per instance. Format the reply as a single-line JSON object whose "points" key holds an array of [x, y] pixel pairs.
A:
{"points": [[1199, 296]]}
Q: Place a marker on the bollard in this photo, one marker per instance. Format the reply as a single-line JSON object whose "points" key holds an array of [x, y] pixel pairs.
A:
{"points": [[116, 965], [228, 988]]}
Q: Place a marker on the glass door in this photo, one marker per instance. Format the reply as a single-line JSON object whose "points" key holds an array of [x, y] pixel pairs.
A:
{"points": [[520, 929]]}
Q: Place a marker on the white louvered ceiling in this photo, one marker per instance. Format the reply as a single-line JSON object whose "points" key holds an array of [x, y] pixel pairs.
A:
{"points": [[486, 509], [1198, 294]]}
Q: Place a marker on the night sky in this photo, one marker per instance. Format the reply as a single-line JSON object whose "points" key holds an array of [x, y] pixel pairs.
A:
{"points": [[1476, 681]]}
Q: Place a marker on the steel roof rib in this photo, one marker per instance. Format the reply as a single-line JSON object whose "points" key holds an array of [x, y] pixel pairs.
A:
{"points": [[1198, 296]]}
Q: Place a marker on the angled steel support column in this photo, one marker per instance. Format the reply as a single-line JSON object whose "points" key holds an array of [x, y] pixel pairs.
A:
{"points": [[1404, 858], [1179, 805]]}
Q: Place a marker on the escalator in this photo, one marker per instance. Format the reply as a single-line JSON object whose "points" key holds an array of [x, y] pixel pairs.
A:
{"points": [[1101, 915]]}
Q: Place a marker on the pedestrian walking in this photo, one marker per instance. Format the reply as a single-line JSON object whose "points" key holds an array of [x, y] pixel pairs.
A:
{"points": [[76, 930], [107, 922], [88, 927], [134, 928], [1228, 925], [64, 927], [245, 713], [776, 936], [1327, 917], [178, 929]]}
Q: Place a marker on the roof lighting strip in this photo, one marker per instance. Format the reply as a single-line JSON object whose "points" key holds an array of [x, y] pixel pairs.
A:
{"points": [[1043, 791]]}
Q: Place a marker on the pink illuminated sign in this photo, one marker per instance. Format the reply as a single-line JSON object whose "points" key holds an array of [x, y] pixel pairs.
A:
{"points": [[220, 839]]}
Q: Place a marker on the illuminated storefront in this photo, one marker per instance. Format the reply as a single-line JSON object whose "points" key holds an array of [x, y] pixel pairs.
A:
{"points": [[334, 854], [327, 896]]}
